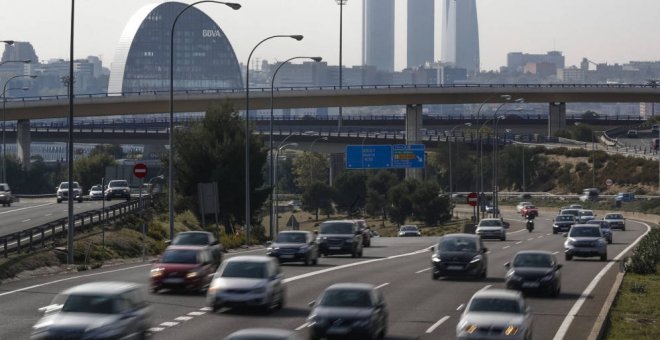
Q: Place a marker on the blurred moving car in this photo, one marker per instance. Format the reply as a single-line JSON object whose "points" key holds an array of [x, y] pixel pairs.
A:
{"points": [[495, 314], [356, 310], [63, 192], [534, 270], [5, 195], [563, 223], [590, 194], [409, 230], [459, 255], [604, 227], [340, 237], [491, 209], [585, 240], [366, 232], [616, 221], [247, 281], [201, 238], [521, 205], [118, 188], [529, 210], [263, 334], [655, 128], [96, 192], [632, 133], [585, 215], [98, 310], [625, 196], [491, 228], [294, 246], [188, 268]]}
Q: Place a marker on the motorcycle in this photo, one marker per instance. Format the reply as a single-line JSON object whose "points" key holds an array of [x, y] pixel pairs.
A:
{"points": [[530, 223]]}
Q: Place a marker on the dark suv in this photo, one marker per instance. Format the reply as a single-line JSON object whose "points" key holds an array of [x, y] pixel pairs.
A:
{"points": [[340, 237], [5, 195], [459, 255]]}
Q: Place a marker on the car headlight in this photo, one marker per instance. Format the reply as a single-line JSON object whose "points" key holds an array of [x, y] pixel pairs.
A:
{"points": [[547, 278], [511, 330], [321, 238], [272, 248], [401, 233], [303, 249], [512, 276], [191, 275], [569, 242], [470, 328], [157, 272], [475, 259], [435, 258]]}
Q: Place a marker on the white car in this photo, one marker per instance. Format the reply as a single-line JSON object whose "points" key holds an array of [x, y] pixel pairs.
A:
{"points": [[521, 205], [491, 228], [495, 314]]}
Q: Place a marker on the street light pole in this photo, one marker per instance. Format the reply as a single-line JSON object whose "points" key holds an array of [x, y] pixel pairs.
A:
{"points": [[247, 132], [71, 223], [4, 102], [277, 155], [270, 149], [495, 166], [451, 132], [341, 4], [170, 179]]}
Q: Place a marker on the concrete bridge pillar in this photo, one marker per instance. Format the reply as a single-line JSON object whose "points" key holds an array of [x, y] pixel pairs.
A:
{"points": [[414, 134], [556, 118], [23, 142]]}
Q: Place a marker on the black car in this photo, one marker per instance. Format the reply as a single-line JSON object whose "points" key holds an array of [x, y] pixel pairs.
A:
{"points": [[459, 255], [340, 237], [294, 246], [563, 223], [534, 270], [201, 238], [355, 310]]}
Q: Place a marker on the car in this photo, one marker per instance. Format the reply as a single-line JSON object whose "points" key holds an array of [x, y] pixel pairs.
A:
{"points": [[5, 195], [521, 205], [263, 334], [63, 192], [201, 239], [495, 314], [529, 210], [585, 215], [605, 228], [293, 246], [575, 206], [616, 221], [563, 223], [118, 188], [409, 230], [349, 310], [632, 133], [585, 240], [655, 128], [366, 232], [459, 255], [96, 192], [625, 196], [340, 237], [534, 270], [570, 211], [247, 281], [590, 194], [97, 310], [491, 228], [491, 209], [187, 268]]}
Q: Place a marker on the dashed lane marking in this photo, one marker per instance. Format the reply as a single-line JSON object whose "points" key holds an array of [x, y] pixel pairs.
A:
{"points": [[435, 325]]}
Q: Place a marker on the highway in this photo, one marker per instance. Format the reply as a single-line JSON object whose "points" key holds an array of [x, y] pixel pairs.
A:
{"points": [[420, 308]]}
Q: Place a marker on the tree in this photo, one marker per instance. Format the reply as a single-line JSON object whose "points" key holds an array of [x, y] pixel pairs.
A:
{"points": [[401, 200], [350, 191], [377, 187], [310, 167], [429, 205], [317, 196], [89, 170]]}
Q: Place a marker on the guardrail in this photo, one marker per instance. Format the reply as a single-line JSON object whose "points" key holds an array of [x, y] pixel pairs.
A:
{"points": [[43, 235]]}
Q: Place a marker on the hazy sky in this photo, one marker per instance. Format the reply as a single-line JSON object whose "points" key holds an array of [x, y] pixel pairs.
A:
{"points": [[613, 31]]}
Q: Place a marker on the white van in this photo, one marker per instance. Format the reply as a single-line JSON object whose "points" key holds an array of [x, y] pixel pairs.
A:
{"points": [[590, 194]]}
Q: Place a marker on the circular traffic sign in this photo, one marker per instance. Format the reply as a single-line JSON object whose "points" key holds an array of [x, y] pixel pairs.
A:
{"points": [[609, 182], [140, 170], [472, 199]]}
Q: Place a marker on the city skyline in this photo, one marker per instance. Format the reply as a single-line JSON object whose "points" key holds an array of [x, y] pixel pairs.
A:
{"points": [[597, 29]]}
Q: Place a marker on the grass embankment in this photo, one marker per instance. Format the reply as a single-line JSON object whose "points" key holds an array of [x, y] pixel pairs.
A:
{"points": [[636, 310]]}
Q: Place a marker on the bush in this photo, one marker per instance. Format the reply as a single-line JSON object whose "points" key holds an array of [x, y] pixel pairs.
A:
{"points": [[646, 255]]}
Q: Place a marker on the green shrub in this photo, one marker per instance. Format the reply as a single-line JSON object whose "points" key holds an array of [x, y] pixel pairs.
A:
{"points": [[646, 255]]}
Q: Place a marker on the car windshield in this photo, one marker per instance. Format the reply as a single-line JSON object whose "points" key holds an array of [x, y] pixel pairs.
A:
{"points": [[614, 217], [532, 260], [599, 223], [570, 212], [97, 304], [586, 213], [118, 184], [96, 188], [346, 298], [182, 256], [65, 185], [3, 187], [291, 238], [336, 228], [564, 218], [585, 232], [250, 270], [408, 228], [191, 239], [498, 305], [457, 244], [490, 223], [529, 207]]}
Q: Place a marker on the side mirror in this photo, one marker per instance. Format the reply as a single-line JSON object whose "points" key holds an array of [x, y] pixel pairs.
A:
{"points": [[432, 248], [559, 266], [484, 250], [507, 265], [565, 234], [269, 242]]}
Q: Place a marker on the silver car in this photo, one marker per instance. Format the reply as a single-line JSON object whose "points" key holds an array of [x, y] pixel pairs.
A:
{"points": [[585, 240], [98, 310], [491, 228], [263, 334], [616, 221], [247, 281], [495, 314]]}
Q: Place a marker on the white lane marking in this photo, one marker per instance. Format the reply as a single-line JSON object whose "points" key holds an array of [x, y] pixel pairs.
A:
{"points": [[435, 325], [169, 324], [549, 234], [28, 220], [302, 326], [460, 306], [183, 318], [383, 285], [540, 236], [505, 247], [156, 329], [484, 288], [529, 239], [25, 208], [49, 214], [423, 270], [561, 332], [196, 313], [555, 252], [206, 309], [519, 242]]}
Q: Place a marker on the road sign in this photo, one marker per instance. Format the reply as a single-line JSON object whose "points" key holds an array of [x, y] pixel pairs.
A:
{"points": [[408, 156], [140, 170], [368, 156], [472, 199], [609, 182]]}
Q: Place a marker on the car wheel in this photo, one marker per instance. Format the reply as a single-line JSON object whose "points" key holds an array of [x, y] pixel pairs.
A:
{"points": [[354, 253], [569, 257], [154, 290], [609, 241], [360, 253], [554, 231], [484, 274], [280, 304], [215, 308], [59, 200], [315, 261], [623, 229], [434, 275], [503, 238], [556, 291], [306, 262], [603, 257]]}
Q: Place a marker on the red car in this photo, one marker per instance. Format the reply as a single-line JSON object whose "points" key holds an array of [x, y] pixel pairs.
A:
{"points": [[188, 268], [529, 210]]}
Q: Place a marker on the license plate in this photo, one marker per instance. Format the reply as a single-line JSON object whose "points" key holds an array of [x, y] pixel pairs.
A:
{"points": [[286, 256], [334, 248], [454, 267], [173, 280], [338, 330], [530, 284]]}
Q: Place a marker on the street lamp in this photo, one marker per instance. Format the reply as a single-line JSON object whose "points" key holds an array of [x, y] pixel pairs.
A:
{"points": [[341, 4], [270, 149], [4, 102], [495, 164], [170, 179], [311, 166], [451, 132], [8, 42], [277, 198], [247, 131]]}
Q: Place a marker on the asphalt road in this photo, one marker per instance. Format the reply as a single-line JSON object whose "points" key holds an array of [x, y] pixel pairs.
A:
{"points": [[420, 308]]}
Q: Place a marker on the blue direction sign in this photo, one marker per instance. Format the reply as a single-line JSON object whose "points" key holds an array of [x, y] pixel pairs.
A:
{"points": [[368, 156], [408, 156]]}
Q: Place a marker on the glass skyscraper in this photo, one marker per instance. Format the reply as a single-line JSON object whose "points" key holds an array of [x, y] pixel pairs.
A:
{"points": [[378, 34], [203, 55], [460, 35], [420, 32]]}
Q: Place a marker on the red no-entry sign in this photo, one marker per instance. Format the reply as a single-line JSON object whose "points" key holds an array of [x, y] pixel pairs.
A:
{"points": [[472, 199], [140, 170]]}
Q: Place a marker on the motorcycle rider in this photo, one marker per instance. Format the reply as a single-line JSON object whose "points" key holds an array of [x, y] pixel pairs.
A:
{"points": [[530, 222]]}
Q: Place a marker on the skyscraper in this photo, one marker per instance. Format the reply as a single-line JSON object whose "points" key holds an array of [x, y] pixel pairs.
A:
{"points": [[460, 35], [378, 34], [420, 32]]}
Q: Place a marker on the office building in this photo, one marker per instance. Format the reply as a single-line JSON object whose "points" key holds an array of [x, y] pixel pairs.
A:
{"points": [[378, 34], [516, 61], [203, 55], [460, 35], [421, 39]]}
